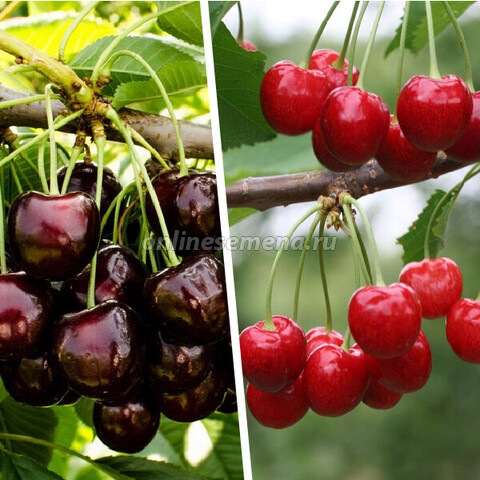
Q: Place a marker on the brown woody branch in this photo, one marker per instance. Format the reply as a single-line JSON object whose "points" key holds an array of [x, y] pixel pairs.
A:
{"points": [[263, 193], [156, 129]]}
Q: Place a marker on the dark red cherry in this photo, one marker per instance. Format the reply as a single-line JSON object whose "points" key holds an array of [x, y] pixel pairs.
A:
{"points": [[189, 301], [467, 147], [385, 321], [32, 381], [53, 237], [26, 311], [177, 368], [354, 124], [127, 428], [402, 160], [406, 373], [438, 283], [335, 381], [84, 179], [433, 114], [463, 329], [379, 397], [198, 403], [273, 359], [318, 336], [323, 60], [99, 351], [120, 276], [292, 97], [249, 46], [278, 410]]}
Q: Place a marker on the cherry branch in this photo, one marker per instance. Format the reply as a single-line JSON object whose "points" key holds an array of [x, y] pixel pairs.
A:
{"points": [[263, 193], [156, 129]]}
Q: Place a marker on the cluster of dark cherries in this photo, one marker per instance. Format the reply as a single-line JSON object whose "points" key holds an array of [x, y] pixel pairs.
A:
{"points": [[154, 343]]}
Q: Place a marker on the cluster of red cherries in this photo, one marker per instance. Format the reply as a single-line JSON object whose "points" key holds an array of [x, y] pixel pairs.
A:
{"points": [[289, 372], [351, 126], [153, 343]]}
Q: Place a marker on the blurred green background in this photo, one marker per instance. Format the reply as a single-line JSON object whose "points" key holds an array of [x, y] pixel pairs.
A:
{"points": [[432, 433]]}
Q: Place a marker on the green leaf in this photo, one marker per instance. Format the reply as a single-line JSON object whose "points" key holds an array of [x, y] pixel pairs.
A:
{"points": [[140, 468], [84, 410], [417, 32], [3, 392], [239, 75], [32, 422], [174, 435], [88, 473], [19, 467], [184, 22], [236, 215], [217, 11], [35, 8]]}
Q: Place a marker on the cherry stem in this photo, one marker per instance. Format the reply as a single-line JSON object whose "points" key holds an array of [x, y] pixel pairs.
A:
{"points": [[41, 165], [16, 180], [353, 44], [143, 143], [240, 24], [76, 152], [72, 27], [306, 61], [268, 325], [26, 100], [3, 256], [346, 340], [118, 205], [434, 72], [151, 254], [323, 275], [463, 46], [401, 56], [356, 263], [363, 252], [338, 63], [53, 147], [368, 50], [301, 263]]}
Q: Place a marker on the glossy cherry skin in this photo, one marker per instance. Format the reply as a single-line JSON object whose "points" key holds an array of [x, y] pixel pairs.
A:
{"points": [[189, 301], [84, 179], [402, 160], [463, 329], [32, 381], [127, 428], [385, 321], [323, 155], [335, 381], [120, 276], [379, 397], [249, 46], [318, 336], [53, 237], [26, 311], [292, 97], [406, 373], [467, 148], [354, 124], [278, 410], [433, 114], [177, 368], [273, 359], [100, 351], [199, 402], [323, 60], [438, 283]]}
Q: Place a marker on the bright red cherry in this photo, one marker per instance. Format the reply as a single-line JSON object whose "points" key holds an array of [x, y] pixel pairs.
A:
{"points": [[278, 410], [379, 397], [354, 124], [53, 237], [292, 97], [323, 60], [463, 329], [438, 283], [433, 114], [318, 336], [402, 160], [249, 46], [467, 147], [385, 321], [406, 373], [335, 381], [273, 359]]}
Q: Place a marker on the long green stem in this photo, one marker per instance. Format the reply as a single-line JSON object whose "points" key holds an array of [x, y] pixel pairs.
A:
{"points": [[304, 63], [121, 196], [269, 325], [76, 152], [323, 275], [41, 165], [3, 257], [53, 146], [463, 46], [151, 254], [368, 50], [338, 63], [401, 55], [26, 100], [301, 263], [240, 24], [434, 72], [363, 252], [143, 143], [13, 171], [353, 44], [72, 27]]}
